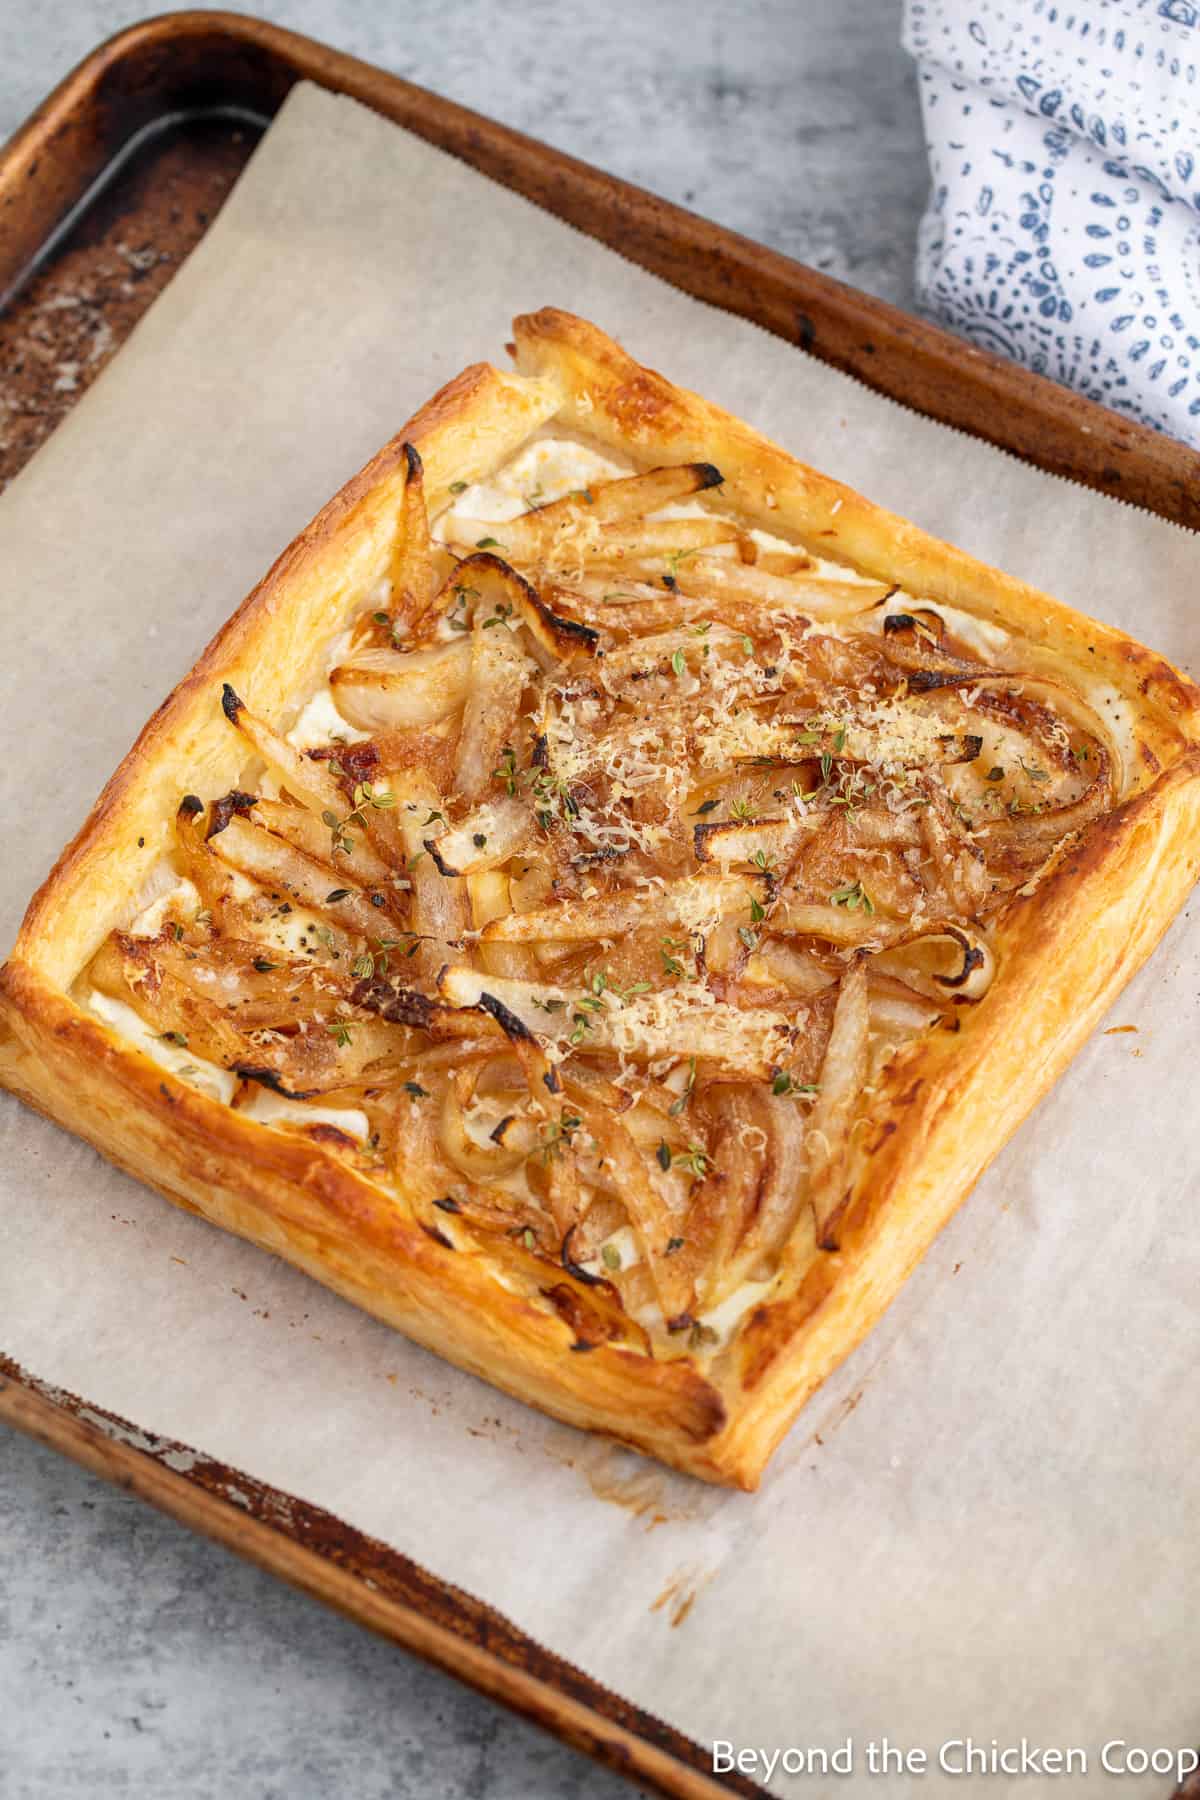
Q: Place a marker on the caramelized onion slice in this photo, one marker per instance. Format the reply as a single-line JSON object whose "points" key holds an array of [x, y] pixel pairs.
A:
{"points": [[439, 905], [792, 917], [842, 1076], [777, 1145], [394, 690], [953, 962], [489, 1160], [497, 677], [412, 570], [682, 903], [555, 637], [654, 1223], [673, 538], [536, 535], [305, 777], [681, 1024], [779, 964], [302, 829], [487, 837], [773, 840], [819, 596], [283, 871]]}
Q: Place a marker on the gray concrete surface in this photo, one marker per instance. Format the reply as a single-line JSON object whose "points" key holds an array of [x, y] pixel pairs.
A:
{"points": [[136, 1660]]}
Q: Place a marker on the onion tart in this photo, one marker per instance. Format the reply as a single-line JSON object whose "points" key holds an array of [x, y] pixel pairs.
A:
{"points": [[605, 896]]}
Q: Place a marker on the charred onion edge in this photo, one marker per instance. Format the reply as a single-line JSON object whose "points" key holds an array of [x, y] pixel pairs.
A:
{"points": [[923, 681], [399, 1006], [189, 806], [584, 635], [231, 706], [972, 959], [576, 1269], [224, 809], [512, 1027], [569, 1307], [269, 1079], [415, 466], [708, 828], [439, 861]]}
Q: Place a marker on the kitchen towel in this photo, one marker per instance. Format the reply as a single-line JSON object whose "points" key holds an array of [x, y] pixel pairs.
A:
{"points": [[1063, 226]]}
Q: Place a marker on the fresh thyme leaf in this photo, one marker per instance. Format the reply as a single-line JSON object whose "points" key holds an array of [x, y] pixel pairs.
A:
{"points": [[558, 1134], [695, 1159], [332, 898], [787, 1084], [670, 961], [679, 662], [705, 806], [340, 1030], [506, 772], [363, 966], [174, 1037], [853, 897], [610, 1256], [264, 965], [458, 487], [489, 543], [757, 915], [663, 1154]]}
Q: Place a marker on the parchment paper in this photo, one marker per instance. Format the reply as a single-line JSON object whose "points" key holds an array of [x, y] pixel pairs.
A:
{"points": [[985, 1523]]}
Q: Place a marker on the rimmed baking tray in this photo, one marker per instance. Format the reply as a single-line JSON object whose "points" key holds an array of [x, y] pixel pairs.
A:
{"points": [[103, 193]]}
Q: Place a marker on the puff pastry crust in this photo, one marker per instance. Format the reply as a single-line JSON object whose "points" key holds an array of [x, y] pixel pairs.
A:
{"points": [[683, 876]]}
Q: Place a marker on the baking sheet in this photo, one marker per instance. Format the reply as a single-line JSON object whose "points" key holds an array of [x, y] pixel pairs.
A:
{"points": [[982, 1524]]}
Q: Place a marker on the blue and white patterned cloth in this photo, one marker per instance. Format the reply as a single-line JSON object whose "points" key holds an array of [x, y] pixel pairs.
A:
{"points": [[1064, 223]]}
